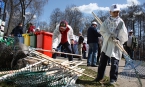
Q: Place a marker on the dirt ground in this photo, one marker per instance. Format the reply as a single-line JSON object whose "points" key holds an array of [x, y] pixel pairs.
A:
{"points": [[121, 82]]}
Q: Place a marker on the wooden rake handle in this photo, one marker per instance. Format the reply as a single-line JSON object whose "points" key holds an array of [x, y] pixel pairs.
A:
{"points": [[52, 60], [98, 19], [56, 52], [121, 48]]}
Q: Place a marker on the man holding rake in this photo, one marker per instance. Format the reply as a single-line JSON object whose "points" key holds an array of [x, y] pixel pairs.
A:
{"points": [[113, 31]]}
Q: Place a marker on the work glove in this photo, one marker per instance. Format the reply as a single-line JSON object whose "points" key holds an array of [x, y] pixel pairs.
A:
{"points": [[113, 35], [116, 41], [53, 50]]}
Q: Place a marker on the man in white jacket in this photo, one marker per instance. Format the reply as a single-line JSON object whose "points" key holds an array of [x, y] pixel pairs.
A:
{"points": [[112, 27], [62, 35]]}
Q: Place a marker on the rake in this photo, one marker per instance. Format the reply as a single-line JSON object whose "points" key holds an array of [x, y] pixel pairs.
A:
{"points": [[43, 75], [39, 76], [133, 68], [40, 49], [32, 50]]}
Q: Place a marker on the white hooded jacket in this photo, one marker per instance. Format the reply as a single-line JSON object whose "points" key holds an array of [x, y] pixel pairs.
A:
{"points": [[57, 36], [116, 27]]}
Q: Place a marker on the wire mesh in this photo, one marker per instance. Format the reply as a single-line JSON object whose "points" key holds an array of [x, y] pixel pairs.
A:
{"points": [[40, 76], [134, 70]]}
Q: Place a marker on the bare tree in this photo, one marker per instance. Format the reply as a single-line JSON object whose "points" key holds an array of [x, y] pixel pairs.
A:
{"points": [[24, 5], [34, 8], [43, 26], [55, 19], [11, 7], [87, 24], [103, 14], [74, 18], [17, 11]]}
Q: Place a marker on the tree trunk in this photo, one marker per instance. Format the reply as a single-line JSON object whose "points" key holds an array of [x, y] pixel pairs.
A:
{"points": [[10, 18]]}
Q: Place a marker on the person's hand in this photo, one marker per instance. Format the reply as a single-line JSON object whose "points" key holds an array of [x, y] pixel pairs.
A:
{"points": [[113, 35], [53, 50], [116, 41]]}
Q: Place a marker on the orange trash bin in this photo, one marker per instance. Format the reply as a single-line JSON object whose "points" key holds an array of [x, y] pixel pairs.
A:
{"points": [[47, 43], [44, 41]]}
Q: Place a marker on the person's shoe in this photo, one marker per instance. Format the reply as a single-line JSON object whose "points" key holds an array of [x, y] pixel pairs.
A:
{"points": [[88, 65], [94, 65], [112, 82], [96, 80], [79, 59], [85, 58], [97, 63], [109, 64]]}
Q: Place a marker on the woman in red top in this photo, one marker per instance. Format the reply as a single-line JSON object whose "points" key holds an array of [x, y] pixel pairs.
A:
{"points": [[31, 29]]}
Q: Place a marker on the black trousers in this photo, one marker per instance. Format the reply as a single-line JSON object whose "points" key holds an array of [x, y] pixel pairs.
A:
{"points": [[129, 51], [67, 46], [99, 53], [102, 67]]}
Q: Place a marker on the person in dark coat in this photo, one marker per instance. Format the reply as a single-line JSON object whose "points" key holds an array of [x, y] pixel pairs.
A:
{"points": [[92, 41], [17, 32]]}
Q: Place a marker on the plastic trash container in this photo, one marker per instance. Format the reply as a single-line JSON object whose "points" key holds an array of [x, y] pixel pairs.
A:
{"points": [[26, 39], [1, 38], [47, 43], [39, 40], [21, 38], [10, 41], [44, 41], [33, 39]]}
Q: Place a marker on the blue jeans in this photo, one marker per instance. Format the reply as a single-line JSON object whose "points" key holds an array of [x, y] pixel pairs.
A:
{"points": [[16, 40], [92, 55]]}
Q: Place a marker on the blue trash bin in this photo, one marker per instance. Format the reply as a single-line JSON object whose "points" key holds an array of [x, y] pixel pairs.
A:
{"points": [[21, 38]]}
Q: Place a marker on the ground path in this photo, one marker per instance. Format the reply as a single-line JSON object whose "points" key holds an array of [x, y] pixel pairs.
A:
{"points": [[121, 82]]}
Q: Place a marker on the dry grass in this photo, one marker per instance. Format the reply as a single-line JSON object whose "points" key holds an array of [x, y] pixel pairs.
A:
{"points": [[88, 82]]}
